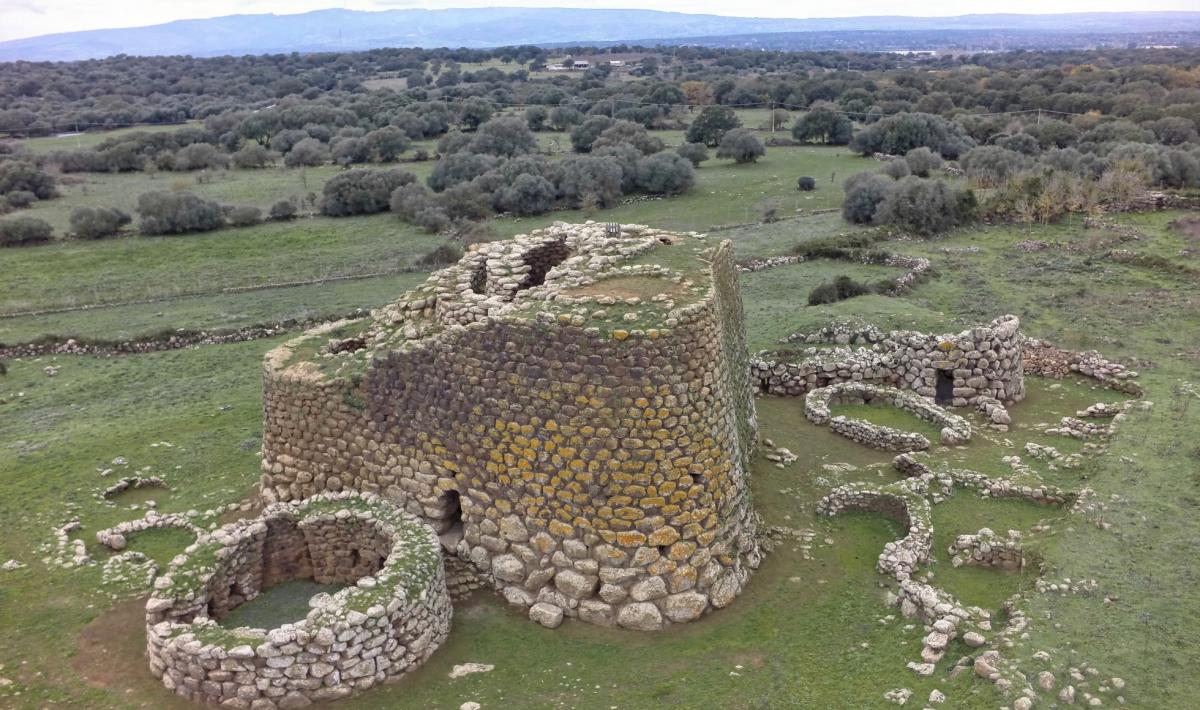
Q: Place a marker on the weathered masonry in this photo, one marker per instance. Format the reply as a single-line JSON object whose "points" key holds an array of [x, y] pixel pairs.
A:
{"points": [[573, 416]]}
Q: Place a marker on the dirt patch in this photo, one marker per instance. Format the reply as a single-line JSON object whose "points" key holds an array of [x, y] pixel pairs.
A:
{"points": [[630, 287], [111, 654]]}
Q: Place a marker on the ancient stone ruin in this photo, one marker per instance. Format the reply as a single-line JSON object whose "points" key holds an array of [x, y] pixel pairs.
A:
{"points": [[393, 614], [570, 410], [970, 368]]}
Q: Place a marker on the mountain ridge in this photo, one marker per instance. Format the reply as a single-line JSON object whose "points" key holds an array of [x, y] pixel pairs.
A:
{"points": [[337, 29]]}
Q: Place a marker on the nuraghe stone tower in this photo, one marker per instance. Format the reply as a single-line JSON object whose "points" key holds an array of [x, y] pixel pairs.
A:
{"points": [[570, 410]]}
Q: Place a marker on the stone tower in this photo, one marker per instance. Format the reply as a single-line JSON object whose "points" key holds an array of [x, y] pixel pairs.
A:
{"points": [[571, 411]]}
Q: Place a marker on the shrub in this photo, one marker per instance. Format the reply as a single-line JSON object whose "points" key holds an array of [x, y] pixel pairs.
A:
{"points": [[628, 133], [741, 145], [505, 136], [307, 152], [768, 210], [441, 255], [625, 156], [900, 133], [806, 183], [164, 212], [20, 231], [923, 161], [244, 216], [284, 210], [474, 112], [350, 151], [97, 222], [586, 133], [20, 176], [535, 118], [1022, 143], [665, 173], [415, 203], [465, 201], [564, 117], [711, 125], [695, 153], [453, 142], [387, 143], [253, 155], [840, 289], [459, 167], [528, 194], [199, 156], [991, 165], [20, 199], [361, 191], [864, 193], [896, 169], [587, 179], [926, 206], [823, 123]]}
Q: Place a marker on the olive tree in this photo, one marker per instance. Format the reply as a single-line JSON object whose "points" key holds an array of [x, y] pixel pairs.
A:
{"points": [[741, 145]]}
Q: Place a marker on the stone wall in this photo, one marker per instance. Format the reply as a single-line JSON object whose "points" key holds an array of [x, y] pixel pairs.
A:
{"points": [[978, 363], [393, 615], [586, 472]]}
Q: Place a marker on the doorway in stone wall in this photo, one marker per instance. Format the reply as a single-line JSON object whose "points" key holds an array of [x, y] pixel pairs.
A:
{"points": [[945, 387]]}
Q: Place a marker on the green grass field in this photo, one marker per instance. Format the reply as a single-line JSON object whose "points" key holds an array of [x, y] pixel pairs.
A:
{"points": [[811, 630]]}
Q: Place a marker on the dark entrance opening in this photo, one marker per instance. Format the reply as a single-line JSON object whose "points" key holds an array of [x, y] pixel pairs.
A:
{"points": [[945, 387]]}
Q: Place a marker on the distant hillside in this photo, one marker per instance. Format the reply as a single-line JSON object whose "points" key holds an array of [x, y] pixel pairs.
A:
{"points": [[345, 30]]}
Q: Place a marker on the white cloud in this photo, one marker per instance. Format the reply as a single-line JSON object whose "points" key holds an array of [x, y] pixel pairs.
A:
{"points": [[27, 18]]}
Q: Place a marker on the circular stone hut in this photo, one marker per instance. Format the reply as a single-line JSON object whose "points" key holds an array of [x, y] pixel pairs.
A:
{"points": [[394, 613], [570, 410]]}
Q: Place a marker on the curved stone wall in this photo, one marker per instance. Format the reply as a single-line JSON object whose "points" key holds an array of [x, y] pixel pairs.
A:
{"points": [[393, 616], [589, 472], [978, 363]]}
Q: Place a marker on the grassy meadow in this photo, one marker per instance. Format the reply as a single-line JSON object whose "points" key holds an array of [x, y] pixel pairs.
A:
{"points": [[811, 629]]}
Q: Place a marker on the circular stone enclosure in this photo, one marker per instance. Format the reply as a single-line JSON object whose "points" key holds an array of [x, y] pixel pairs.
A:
{"points": [[394, 615], [954, 429]]}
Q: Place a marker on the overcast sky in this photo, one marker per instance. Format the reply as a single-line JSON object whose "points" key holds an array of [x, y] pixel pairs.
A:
{"points": [[27, 18]]}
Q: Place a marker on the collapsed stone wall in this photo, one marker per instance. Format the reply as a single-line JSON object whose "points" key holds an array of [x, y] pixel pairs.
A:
{"points": [[979, 363], [589, 474], [392, 618], [954, 429]]}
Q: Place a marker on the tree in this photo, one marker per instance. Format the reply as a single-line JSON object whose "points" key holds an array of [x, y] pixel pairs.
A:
{"points": [[199, 156], [665, 173], [823, 123], [864, 193], [387, 143], [896, 169], [535, 118], [459, 167], [587, 178], [21, 231], [696, 93], [164, 212], [361, 191], [453, 142], [528, 194], [711, 125], [20, 176], [564, 117], [586, 133], [628, 133], [465, 201], [696, 153], [475, 112], [307, 152], [741, 145], [505, 136], [900, 133], [97, 222], [350, 151]]}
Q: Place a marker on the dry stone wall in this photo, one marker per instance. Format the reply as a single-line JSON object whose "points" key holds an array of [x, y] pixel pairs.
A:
{"points": [[959, 369], [589, 472], [393, 616]]}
